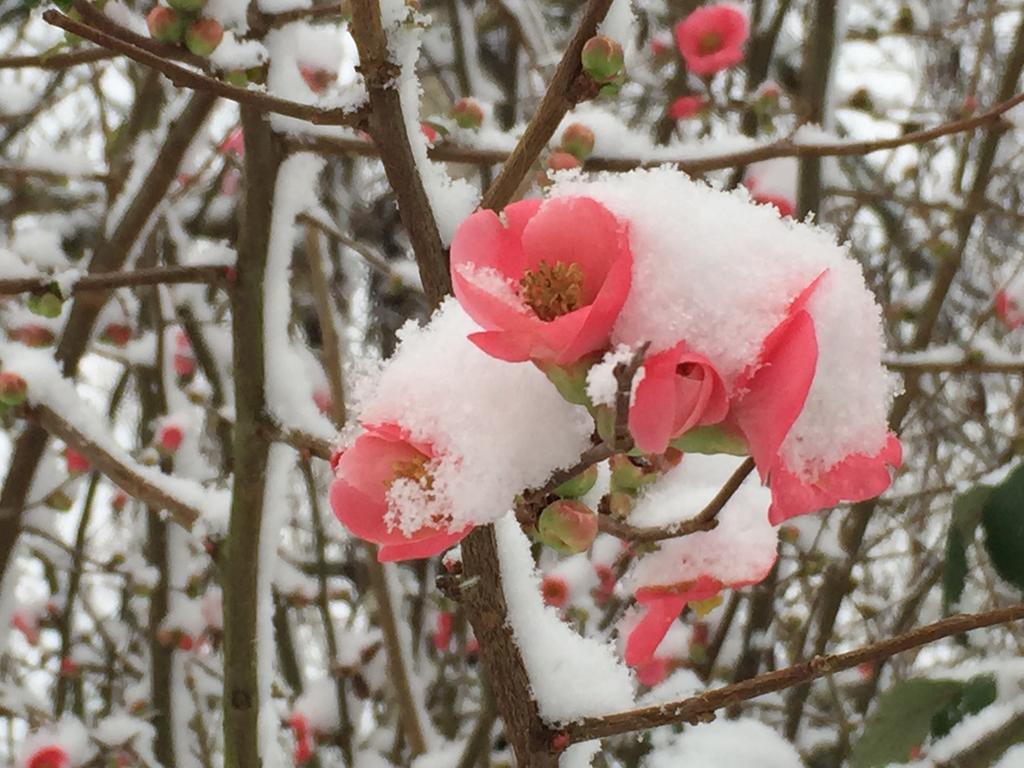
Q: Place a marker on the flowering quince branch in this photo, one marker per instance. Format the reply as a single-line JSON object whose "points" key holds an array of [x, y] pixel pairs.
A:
{"points": [[702, 521], [702, 708], [186, 78], [557, 101]]}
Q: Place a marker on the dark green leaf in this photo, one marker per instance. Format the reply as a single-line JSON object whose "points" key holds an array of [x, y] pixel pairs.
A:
{"points": [[1003, 522], [902, 721], [977, 693], [966, 515]]}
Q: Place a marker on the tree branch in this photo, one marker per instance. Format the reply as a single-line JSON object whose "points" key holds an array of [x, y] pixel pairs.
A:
{"points": [[104, 281]]}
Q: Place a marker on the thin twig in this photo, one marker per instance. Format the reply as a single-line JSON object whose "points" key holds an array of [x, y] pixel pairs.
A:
{"points": [[104, 281], [702, 707]]}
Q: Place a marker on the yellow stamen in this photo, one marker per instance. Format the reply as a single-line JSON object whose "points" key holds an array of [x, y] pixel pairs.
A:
{"points": [[552, 290], [709, 43]]}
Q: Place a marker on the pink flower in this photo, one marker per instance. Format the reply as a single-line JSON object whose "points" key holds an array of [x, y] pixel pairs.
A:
{"points": [[774, 391], [170, 438], [184, 357], [686, 107], [782, 204], [711, 39], [48, 757], [663, 605], [77, 463], [547, 284], [679, 390], [27, 623], [359, 495], [652, 672], [1008, 311], [317, 78]]}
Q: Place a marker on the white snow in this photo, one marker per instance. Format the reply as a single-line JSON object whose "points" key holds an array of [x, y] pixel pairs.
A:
{"points": [[746, 743]]}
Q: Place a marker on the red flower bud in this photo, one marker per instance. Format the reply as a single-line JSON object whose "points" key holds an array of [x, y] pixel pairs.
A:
{"points": [[578, 140], [119, 500], [185, 642], [48, 757], [203, 36], [467, 114], [68, 668], [602, 59], [170, 439], [567, 526], [13, 388], [32, 335], [117, 334], [555, 591], [316, 78], [443, 631], [77, 463], [165, 24]]}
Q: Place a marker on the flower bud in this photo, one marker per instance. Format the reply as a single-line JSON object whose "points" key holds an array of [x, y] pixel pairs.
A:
{"points": [[239, 78], [165, 24], [570, 380], [13, 388], [317, 78], [467, 114], [555, 591], [578, 140], [627, 476], [602, 59], [117, 334], [50, 756], [77, 463], [567, 526], [47, 304], [169, 439], [58, 501], [562, 161], [579, 485], [203, 36], [33, 335], [119, 500], [187, 6], [68, 668]]}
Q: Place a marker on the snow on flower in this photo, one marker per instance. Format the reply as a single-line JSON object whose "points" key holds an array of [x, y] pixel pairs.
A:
{"points": [[749, 743], [711, 38], [773, 182], [779, 312], [740, 550], [547, 282], [428, 465]]}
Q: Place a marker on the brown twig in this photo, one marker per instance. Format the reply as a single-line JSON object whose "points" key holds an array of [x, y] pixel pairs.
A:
{"points": [[557, 101], [186, 78], [56, 60], [387, 127], [106, 280], [705, 520], [703, 706]]}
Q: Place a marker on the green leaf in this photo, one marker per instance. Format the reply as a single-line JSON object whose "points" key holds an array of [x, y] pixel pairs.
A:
{"points": [[710, 440], [966, 516], [977, 693], [902, 721], [1002, 519]]}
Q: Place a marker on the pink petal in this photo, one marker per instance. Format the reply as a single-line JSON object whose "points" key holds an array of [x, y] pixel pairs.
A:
{"points": [[597, 326], [575, 230], [646, 636], [421, 548], [483, 241], [650, 416], [510, 347], [855, 478], [369, 464]]}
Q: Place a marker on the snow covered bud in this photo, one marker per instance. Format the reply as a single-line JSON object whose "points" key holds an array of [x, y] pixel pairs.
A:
{"points": [[364, 475], [578, 486], [203, 36], [169, 439], [13, 389], [567, 526], [77, 463], [165, 24], [317, 78], [45, 304], [711, 38], [429, 133], [467, 113], [686, 107], [117, 334], [546, 281], [578, 140], [603, 60], [184, 358], [50, 756], [555, 591]]}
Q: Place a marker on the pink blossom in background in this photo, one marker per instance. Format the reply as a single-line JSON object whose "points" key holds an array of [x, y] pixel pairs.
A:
{"points": [[303, 739], [184, 357], [662, 606], [686, 107], [653, 672], [546, 282], [48, 757], [26, 622], [443, 631], [1008, 311], [76, 462], [233, 143], [364, 473], [679, 390], [711, 38], [317, 78], [555, 590]]}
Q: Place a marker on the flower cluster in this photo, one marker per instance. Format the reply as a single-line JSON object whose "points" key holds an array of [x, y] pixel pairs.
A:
{"points": [[740, 331]]}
